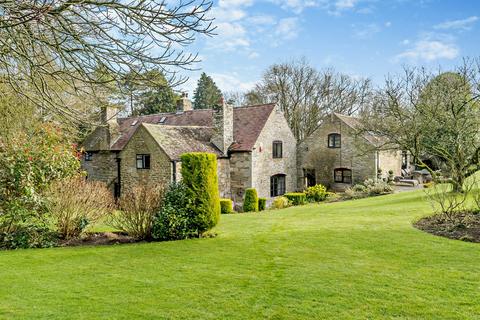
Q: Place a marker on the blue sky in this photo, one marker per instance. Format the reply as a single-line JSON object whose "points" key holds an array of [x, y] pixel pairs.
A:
{"points": [[363, 38]]}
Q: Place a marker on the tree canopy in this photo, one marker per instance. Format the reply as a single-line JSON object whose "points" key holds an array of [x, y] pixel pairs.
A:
{"points": [[56, 48], [207, 94]]}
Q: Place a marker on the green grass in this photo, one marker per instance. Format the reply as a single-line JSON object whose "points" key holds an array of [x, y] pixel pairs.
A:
{"points": [[359, 259]]}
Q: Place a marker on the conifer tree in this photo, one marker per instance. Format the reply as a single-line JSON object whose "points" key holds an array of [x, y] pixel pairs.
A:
{"points": [[207, 94]]}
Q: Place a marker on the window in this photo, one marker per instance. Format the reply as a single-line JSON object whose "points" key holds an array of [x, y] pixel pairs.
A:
{"points": [[277, 185], [334, 140], [88, 156], [343, 175], [277, 149], [143, 161]]}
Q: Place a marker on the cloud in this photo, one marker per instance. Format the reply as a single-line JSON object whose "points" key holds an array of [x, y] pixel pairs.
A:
{"points": [[345, 4], [366, 31], [462, 24], [297, 6], [287, 28], [231, 82], [430, 50]]}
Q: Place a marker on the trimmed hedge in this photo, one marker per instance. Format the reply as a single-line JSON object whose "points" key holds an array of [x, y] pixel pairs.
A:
{"points": [[199, 175], [262, 204], [297, 198], [280, 203], [226, 206], [250, 203]]}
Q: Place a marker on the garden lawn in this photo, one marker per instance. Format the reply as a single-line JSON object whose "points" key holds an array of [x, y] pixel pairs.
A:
{"points": [[358, 259]]}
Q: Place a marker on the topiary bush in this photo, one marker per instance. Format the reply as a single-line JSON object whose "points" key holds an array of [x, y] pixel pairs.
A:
{"points": [[199, 175], [250, 203], [226, 206], [316, 193], [262, 204], [280, 203], [296, 198]]}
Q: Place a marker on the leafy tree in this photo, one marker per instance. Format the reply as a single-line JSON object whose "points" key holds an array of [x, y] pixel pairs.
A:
{"points": [[148, 93], [56, 47], [306, 95], [207, 94], [432, 115]]}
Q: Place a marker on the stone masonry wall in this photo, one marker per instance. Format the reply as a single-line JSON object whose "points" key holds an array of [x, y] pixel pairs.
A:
{"points": [[390, 160], [314, 153], [102, 167], [240, 174], [160, 172], [264, 165]]}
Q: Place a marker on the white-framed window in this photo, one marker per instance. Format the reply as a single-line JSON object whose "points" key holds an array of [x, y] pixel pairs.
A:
{"points": [[143, 161]]}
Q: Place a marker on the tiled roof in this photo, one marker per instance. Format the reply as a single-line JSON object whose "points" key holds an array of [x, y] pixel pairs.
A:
{"points": [[356, 125], [177, 140], [248, 122]]}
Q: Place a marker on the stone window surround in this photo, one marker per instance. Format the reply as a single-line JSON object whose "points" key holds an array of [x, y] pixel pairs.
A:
{"points": [[277, 184], [345, 174], [88, 156], [277, 149], [334, 140], [142, 161]]}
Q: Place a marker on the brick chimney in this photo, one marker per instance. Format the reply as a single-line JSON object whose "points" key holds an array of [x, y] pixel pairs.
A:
{"points": [[184, 104], [223, 126]]}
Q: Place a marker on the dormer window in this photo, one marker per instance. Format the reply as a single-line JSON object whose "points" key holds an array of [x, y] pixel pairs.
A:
{"points": [[88, 156], [334, 140], [277, 149]]}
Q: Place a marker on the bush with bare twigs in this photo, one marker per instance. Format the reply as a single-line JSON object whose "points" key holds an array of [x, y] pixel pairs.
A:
{"points": [[75, 203], [137, 209]]}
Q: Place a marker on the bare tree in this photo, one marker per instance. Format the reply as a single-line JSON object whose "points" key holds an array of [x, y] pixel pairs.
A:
{"points": [[51, 49], [306, 95], [432, 114]]}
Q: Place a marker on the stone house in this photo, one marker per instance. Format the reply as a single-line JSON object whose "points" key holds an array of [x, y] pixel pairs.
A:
{"points": [[336, 156], [254, 145]]}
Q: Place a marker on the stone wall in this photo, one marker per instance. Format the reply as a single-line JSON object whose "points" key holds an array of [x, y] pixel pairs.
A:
{"points": [[102, 167], [240, 174], [223, 172], [160, 172], [264, 165], [390, 160], [354, 154]]}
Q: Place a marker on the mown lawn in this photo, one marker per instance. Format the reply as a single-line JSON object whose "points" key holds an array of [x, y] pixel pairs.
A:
{"points": [[353, 260]]}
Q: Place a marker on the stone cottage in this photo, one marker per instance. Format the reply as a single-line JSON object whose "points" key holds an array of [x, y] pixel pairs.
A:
{"points": [[336, 156], [254, 146]]}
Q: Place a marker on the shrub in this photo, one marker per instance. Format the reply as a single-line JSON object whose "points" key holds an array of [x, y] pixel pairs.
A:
{"points": [[354, 193], [199, 174], [316, 193], [137, 209], [175, 220], [262, 204], [250, 202], [296, 198], [359, 188], [31, 231], [379, 188], [428, 185], [390, 177], [226, 206], [75, 203], [280, 203]]}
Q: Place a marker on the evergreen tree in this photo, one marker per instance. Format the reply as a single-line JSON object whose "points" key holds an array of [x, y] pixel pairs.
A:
{"points": [[207, 94], [148, 93]]}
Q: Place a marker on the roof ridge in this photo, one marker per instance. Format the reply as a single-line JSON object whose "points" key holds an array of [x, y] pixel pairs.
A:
{"points": [[256, 105]]}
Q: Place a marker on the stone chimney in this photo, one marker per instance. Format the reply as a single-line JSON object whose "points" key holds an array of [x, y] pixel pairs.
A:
{"points": [[184, 104], [223, 126], [110, 126]]}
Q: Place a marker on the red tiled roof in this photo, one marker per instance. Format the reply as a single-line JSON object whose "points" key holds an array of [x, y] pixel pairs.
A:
{"points": [[248, 122]]}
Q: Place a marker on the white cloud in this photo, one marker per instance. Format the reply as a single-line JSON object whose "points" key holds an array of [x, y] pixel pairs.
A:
{"points": [[388, 24], [287, 28], [462, 24], [297, 6], [261, 20], [345, 4], [366, 31], [253, 55], [429, 50], [229, 36], [231, 82]]}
